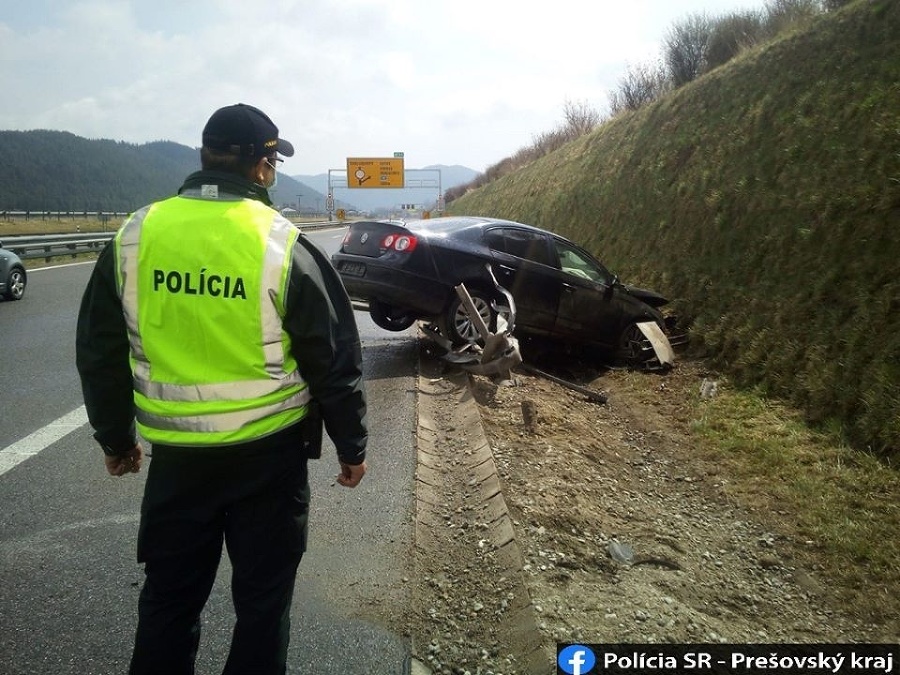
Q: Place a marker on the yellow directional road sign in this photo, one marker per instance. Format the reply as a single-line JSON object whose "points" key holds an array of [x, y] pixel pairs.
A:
{"points": [[375, 172]]}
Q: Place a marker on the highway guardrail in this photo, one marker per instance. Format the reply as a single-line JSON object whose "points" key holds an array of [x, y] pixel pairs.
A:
{"points": [[48, 246]]}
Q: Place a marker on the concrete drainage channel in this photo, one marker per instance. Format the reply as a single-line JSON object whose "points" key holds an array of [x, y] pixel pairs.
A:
{"points": [[470, 582]]}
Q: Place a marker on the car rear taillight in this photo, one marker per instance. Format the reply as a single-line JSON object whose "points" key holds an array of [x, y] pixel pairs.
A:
{"points": [[402, 243]]}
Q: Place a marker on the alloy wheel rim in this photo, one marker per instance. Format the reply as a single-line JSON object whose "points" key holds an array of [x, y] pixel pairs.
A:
{"points": [[465, 326], [18, 285]]}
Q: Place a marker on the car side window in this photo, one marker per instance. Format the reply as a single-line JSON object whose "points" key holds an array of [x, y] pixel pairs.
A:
{"points": [[521, 244], [494, 239], [575, 262]]}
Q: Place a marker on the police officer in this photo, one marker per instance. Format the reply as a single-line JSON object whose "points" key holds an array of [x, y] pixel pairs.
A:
{"points": [[217, 332]]}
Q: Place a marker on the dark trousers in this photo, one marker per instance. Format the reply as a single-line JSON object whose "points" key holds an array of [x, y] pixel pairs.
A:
{"points": [[255, 498]]}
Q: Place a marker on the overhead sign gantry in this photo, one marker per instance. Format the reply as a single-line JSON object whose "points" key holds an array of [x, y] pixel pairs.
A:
{"points": [[381, 172]]}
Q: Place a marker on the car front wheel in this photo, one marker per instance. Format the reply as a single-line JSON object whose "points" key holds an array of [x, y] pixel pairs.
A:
{"points": [[634, 347], [15, 285], [455, 324], [390, 318]]}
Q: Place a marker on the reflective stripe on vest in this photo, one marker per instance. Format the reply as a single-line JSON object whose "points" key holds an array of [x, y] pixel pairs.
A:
{"points": [[184, 393]]}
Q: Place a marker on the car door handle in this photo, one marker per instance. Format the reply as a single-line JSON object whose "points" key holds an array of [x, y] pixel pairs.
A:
{"points": [[504, 269]]}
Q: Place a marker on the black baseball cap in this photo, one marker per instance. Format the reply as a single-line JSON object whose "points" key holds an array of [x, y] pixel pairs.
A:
{"points": [[244, 130]]}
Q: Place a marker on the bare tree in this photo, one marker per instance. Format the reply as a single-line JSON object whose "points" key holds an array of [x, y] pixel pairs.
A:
{"points": [[641, 84], [782, 15], [580, 118], [685, 48], [548, 141], [731, 34]]}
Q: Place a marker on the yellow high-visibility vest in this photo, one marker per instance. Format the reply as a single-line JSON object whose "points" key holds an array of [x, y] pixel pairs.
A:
{"points": [[203, 285]]}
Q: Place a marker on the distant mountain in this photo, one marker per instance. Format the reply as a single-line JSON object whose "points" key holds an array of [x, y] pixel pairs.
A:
{"points": [[59, 171], [298, 195], [436, 178]]}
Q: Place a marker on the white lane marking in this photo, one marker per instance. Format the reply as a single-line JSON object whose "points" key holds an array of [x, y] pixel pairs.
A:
{"points": [[58, 267], [31, 445]]}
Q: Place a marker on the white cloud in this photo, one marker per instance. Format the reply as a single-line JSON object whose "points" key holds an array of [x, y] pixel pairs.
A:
{"points": [[468, 82]]}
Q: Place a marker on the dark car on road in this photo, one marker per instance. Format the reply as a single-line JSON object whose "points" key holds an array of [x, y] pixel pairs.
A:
{"points": [[408, 272], [13, 277]]}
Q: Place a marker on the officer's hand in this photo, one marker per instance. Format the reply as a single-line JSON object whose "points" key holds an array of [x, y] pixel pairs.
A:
{"points": [[127, 463], [351, 474]]}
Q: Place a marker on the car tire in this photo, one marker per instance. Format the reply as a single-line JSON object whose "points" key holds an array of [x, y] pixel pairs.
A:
{"points": [[455, 324], [15, 284], [389, 317], [631, 346]]}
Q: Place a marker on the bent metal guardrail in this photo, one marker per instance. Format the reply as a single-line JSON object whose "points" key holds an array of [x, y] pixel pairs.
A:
{"points": [[50, 246]]}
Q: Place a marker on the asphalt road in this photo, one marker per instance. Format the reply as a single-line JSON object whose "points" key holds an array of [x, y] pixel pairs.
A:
{"points": [[68, 576]]}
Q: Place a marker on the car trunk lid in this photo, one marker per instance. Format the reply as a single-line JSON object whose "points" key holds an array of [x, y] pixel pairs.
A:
{"points": [[367, 238]]}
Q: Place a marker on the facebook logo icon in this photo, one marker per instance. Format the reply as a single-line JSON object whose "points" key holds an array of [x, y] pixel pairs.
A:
{"points": [[576, 660]]}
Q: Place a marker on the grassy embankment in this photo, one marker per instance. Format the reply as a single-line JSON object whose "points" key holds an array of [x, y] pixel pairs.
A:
{"points": [[764, 199], [36, 226]]}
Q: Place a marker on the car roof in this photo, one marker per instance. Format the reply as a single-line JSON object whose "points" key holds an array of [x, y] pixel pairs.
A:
{"points": [[447, 223], [466, 227], [458, 224]]}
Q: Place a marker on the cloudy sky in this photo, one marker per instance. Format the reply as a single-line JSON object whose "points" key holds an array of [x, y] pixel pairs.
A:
{"points": [[465, 82]]}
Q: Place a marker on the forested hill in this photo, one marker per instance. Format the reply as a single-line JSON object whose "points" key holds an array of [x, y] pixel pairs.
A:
{"points": [[59, 171]]}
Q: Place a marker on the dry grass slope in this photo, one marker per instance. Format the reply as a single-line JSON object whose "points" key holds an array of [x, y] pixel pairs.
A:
{"points": [[764, 199]]}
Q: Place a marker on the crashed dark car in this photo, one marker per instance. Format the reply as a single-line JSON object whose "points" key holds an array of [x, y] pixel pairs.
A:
{"points": [[407, 272]]}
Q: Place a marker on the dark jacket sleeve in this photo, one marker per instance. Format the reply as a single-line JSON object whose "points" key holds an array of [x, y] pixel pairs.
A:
{"points": [[325, 342], [101, 356]]}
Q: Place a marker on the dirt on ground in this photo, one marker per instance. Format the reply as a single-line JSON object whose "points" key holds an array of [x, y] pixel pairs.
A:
{"points": [[546, 517]]}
